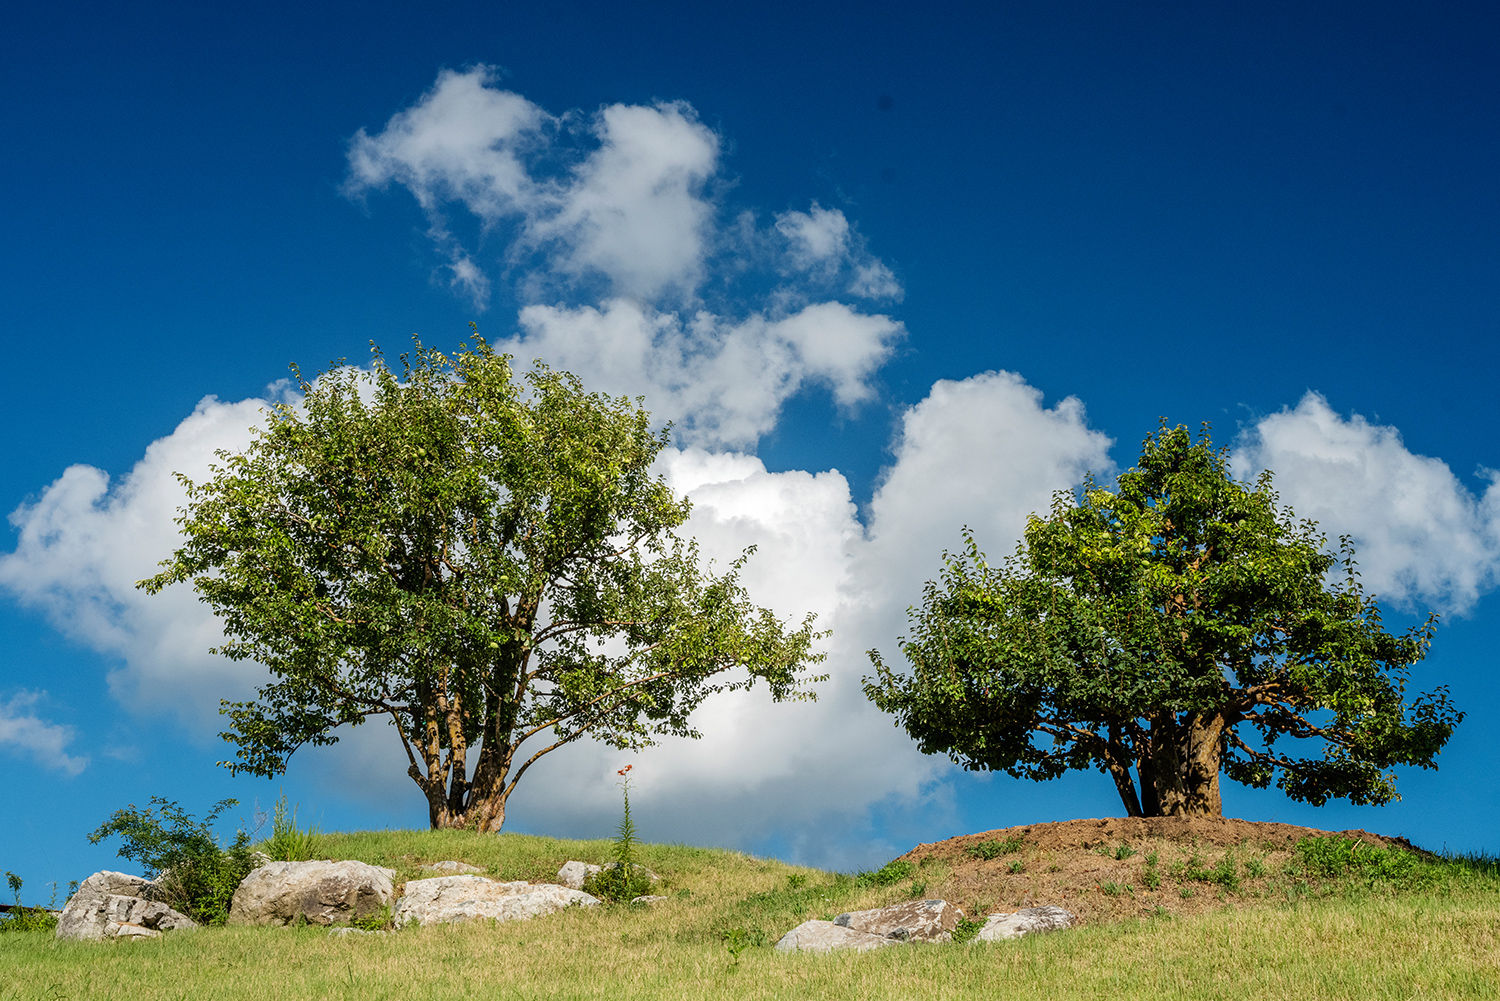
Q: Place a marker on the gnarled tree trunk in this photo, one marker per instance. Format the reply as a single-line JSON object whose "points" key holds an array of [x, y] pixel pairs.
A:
{"points": [[1178, 770]]}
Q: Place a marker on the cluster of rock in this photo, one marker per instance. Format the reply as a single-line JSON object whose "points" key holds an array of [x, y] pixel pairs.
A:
{"points": [[116, 905], [113, 905], [917, 921]]}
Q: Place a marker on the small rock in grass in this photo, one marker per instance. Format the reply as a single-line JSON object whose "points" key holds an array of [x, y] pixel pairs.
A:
{"points": [[572, 874], [650, 898]]}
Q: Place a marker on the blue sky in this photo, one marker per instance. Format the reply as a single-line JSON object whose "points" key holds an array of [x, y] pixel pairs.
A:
{"points": [[1165, 210]]}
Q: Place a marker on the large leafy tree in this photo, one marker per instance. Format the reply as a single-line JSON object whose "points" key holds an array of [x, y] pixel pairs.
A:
{"points": [[1178, 627], [487, 562]]}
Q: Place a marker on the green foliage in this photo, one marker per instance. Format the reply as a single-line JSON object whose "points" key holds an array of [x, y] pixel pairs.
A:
{"points": [[288, 842], [1123, 852], [624, 879], [378, 920], [992, 849], [1177, 627], [198, 875], [480, 559], [1341, 857], [1017, 866], [965, 930], [887, 875], [1224, 873], [737, 940], [22, 918]]}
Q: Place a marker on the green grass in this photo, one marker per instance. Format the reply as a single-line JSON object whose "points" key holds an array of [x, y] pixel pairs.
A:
{"points": [[992, 849], [1438, 937]]}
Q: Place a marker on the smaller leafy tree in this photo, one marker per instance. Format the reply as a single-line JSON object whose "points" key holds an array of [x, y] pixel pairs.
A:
{"points": [[1178, 627], [198, 875]]}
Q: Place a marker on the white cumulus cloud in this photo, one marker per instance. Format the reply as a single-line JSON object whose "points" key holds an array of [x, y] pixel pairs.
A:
{"points": [[723, 382], [631, 210], [1420, 535], [611, 231], [85, 542], [823, 244], [23, 730]]}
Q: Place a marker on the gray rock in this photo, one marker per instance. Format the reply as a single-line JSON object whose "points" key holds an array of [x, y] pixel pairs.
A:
{"points": [[114, 905], [450, 867], [916, 921], [825, 936], [345, 932], [453, 899], [325, 893], [999, 927], [572, 874], [650, 898]]}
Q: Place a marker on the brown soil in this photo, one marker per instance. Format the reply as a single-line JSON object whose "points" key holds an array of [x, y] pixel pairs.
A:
{"points": [[1077, 865]]}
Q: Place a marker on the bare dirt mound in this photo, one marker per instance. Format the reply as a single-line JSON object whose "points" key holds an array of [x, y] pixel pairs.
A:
{"points": [[1114, 868]]}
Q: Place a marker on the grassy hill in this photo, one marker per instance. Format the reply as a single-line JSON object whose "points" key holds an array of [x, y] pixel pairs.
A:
{"points": [[1429, 930]]}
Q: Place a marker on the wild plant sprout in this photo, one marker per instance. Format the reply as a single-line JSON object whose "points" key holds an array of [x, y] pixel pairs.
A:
{"points": [[623, 880]]}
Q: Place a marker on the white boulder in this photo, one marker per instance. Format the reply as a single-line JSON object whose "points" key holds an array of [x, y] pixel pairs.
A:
{"points": [[825, 936], [916, 921], [325, 893], [114, 905], [572, 874], [1000, 927], [452, 899]]}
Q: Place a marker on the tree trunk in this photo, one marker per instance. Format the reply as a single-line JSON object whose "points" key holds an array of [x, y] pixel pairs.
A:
{"points": [[1185, 760]]}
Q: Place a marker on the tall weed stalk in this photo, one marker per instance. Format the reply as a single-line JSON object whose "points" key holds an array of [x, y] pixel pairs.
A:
{"points": [[624, 879], [288, 842]]}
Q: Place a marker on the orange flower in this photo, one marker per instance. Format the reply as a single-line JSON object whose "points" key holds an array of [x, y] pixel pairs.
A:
{"points": [[622, 771]]}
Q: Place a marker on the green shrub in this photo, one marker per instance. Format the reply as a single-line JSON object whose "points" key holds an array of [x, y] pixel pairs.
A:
{"points": [[887, 875], [965, 930], [22, 918], [198, 875], [1226, 873]]}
